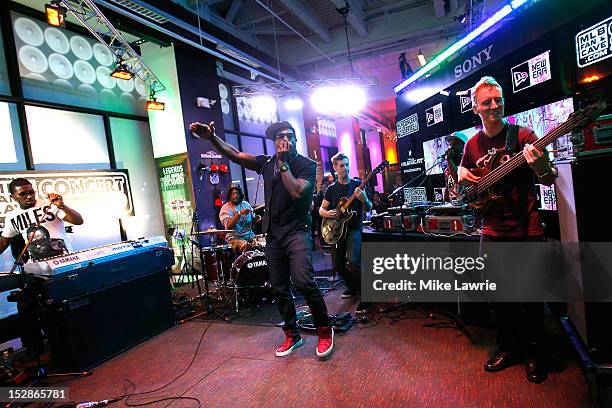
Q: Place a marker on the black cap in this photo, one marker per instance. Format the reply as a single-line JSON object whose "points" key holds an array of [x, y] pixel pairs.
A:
{"points": [[276, 127]]}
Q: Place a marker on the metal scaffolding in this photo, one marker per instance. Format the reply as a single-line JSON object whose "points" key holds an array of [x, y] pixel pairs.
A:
{"points": [[102, 29]]}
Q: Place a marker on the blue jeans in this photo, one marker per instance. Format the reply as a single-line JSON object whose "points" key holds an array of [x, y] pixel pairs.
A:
{"points": [[290, 260]]}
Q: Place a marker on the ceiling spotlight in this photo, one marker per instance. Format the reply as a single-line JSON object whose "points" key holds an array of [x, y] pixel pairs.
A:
{"points": [[421, 58], [122, 72], [56, 14]]}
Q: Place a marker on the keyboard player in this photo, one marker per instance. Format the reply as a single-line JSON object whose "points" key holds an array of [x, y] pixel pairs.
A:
{"points": [[47, 216]]}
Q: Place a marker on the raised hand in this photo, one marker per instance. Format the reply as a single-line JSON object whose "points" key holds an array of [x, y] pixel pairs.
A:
{"points": [[203, 130]]}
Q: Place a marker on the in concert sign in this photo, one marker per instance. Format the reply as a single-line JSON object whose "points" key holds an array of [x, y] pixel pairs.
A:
{"points": [[86, 191]]}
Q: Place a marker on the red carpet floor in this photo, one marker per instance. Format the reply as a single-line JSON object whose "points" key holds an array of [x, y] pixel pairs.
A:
{"points": [[389, 364]]}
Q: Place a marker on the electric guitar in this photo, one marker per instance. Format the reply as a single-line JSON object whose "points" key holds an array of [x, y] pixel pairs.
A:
{"points": [[480, 196], [333, 229]]}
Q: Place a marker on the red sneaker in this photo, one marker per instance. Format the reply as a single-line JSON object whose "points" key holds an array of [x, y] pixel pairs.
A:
{"points": [[291, 343], [326, 341]]}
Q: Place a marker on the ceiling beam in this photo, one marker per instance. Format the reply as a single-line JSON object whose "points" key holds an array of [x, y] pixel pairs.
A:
{"points": [[256, 20], [307, 16], [355, 17], [233, 10]]}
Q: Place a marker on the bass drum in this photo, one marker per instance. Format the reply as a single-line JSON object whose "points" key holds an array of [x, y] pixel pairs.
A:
{"points": [[250, 270]]}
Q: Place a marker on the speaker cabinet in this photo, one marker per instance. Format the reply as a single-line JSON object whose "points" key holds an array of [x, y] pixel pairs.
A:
{"points": [[86, 330], [584, 216]]}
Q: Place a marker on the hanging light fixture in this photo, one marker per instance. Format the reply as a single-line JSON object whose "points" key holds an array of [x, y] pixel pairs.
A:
{"points": [[153, 105], [122, 72], [56, 14]]}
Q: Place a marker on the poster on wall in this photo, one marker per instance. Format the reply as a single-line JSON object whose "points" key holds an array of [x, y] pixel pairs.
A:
{"points": [[594, 44], [88, 192], [532, 72], [176, 192], [434, 115], [408, 125]]}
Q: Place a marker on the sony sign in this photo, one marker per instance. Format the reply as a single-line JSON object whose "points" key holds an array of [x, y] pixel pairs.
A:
{"points": [[594, 44], [473, 62]]}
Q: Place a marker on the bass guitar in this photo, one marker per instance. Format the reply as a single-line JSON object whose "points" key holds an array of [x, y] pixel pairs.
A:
{"points": [[333, 229], [480, 196]]}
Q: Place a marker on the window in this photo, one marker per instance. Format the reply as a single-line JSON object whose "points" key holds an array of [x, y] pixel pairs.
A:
{"points": [[11, 153], [235, 170], [63, 140], [134, 152]]}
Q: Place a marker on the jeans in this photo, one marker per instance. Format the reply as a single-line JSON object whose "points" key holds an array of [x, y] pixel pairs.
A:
{"points": [[291, 260], [349, 250]]}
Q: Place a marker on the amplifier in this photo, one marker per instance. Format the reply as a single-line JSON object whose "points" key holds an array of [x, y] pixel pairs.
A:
{"points": [[394, 222], [449, 224], [596, 138], [86, 330]]}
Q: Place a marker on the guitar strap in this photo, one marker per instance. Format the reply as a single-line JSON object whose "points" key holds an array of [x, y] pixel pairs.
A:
{"points": [[512, 138]]}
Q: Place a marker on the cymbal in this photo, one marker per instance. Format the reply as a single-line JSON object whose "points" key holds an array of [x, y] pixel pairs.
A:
{"points": [[212, 231]]}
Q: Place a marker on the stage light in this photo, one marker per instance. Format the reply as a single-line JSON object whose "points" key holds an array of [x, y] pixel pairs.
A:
{"points": [[343, 100], [56, 14], [294, 104], [447, 53], [122, 72], [591, 78], [154, 105], [214, 167], [421, 58]]}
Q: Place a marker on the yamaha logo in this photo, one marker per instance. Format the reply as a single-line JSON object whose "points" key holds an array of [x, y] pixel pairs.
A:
{"points": [[257, 264]]}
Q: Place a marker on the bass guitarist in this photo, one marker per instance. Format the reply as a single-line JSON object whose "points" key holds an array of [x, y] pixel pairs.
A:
{"points": [[346, 256], [514, 218]]}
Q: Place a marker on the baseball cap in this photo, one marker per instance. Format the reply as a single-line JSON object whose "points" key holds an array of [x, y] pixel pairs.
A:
{"points": [[276, 127], [457, 136]]}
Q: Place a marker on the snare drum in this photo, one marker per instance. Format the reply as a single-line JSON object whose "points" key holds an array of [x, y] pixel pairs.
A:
{"points": [[250, 270], [217, 262]]}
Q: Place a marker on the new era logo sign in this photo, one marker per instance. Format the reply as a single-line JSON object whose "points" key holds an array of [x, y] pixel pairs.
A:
{"points": [[466, 103], [532, 72], [434, 115], [520, 77]]}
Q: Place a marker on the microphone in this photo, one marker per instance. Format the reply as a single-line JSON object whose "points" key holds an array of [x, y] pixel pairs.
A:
{"points": [[445, 153]]}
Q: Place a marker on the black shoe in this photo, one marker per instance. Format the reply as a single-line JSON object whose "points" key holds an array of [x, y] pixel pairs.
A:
{"points": [[347, 294], [535, 372], [501, 360], [362, 307]]}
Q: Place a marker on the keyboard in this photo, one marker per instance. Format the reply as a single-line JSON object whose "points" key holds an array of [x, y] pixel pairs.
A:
{"points": [[61, 264]]}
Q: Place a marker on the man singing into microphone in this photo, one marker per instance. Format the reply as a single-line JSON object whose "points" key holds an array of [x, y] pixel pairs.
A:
{"points": [[32, 212], [288, 189]]}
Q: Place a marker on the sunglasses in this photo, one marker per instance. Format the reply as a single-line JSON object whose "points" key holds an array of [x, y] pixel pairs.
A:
{"points": [[282, 135]]}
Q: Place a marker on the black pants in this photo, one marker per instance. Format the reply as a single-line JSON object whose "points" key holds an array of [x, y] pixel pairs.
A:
{"points": [[349, 250], [519, 325], [290, 259]]}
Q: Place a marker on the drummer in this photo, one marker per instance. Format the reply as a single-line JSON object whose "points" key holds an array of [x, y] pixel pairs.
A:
{"points": [[237, 214]]}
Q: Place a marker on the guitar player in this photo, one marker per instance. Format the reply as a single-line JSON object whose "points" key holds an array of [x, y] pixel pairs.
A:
{"points": [[520, 326], [346, 256]]}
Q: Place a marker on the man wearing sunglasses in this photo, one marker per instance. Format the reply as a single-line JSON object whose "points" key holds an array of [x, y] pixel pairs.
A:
{"points": [[288, 189], [30, 212]]}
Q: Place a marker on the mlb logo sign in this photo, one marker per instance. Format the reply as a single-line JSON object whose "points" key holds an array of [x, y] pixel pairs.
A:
{"points": [[434, 115], [466, 103], [594, 44], [532, 72]]}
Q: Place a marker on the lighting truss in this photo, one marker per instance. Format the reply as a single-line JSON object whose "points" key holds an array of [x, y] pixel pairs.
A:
{"points": [[102, 29], [304, 87], [458, 45]]}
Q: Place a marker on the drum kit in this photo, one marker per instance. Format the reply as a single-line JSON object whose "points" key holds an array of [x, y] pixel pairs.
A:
{"points": [[228, 275]]}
